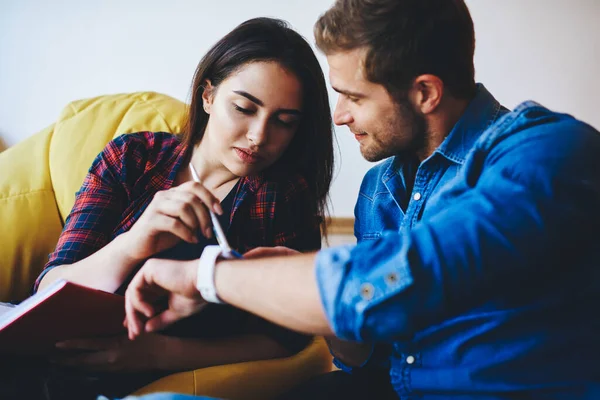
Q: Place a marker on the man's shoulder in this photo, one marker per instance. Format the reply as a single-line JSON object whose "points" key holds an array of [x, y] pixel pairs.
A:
{"points": [[540, 148], [532, 121]]}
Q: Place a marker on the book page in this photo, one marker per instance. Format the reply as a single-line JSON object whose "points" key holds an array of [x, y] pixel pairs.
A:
{"points": [[5, 307]]}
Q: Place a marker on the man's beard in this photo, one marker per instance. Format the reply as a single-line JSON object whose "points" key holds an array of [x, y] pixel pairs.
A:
{"points": [[404, 136]]}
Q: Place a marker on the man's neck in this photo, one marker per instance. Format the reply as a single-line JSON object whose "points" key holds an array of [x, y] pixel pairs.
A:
{"points": [[440, 124]]}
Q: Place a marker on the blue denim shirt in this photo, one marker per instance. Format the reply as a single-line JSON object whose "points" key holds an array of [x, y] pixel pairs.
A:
{"points": [[485, 279]]}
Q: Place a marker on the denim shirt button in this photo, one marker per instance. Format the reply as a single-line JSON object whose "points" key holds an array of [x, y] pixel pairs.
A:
{"points": [[366, 291], [391, 278], [417, 197], [410, 360]]}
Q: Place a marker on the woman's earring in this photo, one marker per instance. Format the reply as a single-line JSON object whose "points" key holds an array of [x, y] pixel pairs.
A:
{"points": [[206, 109]]}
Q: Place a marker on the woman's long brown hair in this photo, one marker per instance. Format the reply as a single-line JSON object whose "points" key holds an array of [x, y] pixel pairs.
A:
{"points": [[265, 39]]}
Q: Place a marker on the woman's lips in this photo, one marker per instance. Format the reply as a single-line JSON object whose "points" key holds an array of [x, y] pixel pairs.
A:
{"points": [[247, 156]]}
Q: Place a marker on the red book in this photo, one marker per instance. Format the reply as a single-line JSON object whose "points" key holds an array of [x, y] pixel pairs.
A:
{"points": [[62, 311]]}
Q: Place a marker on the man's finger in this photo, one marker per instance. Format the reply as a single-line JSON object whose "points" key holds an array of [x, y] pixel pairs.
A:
{"points": [[161, 321], [134, 320], [135, 307]]}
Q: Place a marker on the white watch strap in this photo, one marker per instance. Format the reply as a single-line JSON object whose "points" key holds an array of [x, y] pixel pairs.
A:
{"points": [[205, 280]]}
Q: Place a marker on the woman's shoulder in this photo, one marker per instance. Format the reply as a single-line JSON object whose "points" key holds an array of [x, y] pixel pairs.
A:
{"points": [[144, 149], [133, 158], [145, 142]]}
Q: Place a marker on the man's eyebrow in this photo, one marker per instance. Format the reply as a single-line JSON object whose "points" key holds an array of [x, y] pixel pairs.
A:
{"points": [[348, 92], [259, 102]]}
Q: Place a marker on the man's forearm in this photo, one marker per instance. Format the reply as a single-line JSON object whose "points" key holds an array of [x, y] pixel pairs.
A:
{"points": [[280, 289]]}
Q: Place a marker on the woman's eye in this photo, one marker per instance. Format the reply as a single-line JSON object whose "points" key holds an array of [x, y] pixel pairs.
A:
{"points": [[287, 124], [242, 110]]}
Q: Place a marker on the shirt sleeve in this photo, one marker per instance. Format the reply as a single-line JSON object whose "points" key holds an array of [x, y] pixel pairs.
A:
{"points": [[350, 356], [96, 212], [526, 199]]}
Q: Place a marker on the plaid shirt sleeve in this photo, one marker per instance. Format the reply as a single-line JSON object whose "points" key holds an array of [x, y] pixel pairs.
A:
{"points": [[96, 212]]}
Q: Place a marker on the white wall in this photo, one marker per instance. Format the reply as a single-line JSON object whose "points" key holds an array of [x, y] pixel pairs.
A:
{"points": [[55, 52], [544, 50]]}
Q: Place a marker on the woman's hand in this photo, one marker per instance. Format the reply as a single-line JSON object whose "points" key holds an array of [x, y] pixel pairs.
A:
{"points": [[119, 354], [173, 215]]}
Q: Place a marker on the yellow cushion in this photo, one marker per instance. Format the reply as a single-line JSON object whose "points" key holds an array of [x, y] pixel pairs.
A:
{"points": [[256, 380], [29, 221], [86, 126]]}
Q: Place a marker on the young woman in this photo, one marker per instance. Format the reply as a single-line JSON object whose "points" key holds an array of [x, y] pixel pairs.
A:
{"points": [[259, 136]]}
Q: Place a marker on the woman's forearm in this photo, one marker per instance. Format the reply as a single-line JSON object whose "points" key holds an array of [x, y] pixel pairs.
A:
{"points": [[185, 354], [106, 269]]}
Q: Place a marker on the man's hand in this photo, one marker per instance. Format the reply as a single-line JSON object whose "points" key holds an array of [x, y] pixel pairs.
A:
{"points": [[161, 293]]}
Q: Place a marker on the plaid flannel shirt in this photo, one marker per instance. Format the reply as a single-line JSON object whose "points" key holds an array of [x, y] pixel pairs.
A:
{"points": [[270, 209]]}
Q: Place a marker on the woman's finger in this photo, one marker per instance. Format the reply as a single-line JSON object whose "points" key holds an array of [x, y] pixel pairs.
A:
{"points": [[197, 209], [166, 223], [205, 195], [179, 205]]}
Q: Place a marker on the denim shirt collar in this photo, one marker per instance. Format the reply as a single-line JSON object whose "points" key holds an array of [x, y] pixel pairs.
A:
{"points": [[479, 115], [481, 112]]}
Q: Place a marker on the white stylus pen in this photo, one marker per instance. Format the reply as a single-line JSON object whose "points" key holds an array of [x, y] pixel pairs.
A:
{"points": [[228, 252]]}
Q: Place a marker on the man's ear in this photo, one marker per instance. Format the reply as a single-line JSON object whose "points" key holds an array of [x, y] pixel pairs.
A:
{"points": [[207, 96], [428, 91]]}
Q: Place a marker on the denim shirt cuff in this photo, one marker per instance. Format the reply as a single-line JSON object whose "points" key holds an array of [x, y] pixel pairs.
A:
{"points": [[349, 369], [330, 270]]}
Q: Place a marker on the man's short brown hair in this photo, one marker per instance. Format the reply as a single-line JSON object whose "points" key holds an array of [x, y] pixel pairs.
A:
{"points": [[404, 39]]}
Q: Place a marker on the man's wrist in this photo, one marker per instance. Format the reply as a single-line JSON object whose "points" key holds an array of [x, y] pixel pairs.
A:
{"points": [[205, 277], [221, 268]]}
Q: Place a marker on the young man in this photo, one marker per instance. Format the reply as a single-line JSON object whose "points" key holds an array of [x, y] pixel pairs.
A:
{"points": [[476, 272]]}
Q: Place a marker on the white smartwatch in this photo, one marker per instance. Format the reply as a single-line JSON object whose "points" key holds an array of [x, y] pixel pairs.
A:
{"points": [[205, 280]]}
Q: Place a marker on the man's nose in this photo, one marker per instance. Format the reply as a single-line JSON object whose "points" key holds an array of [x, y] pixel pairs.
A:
{"points": [[341, 115]]}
